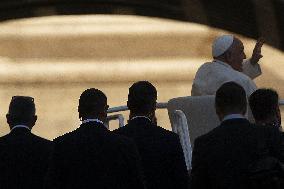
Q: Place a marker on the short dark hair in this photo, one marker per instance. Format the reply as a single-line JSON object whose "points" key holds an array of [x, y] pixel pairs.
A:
{"points": [[142, 97], [92, 101], [231, 98], [21, 109], [264, 103]]}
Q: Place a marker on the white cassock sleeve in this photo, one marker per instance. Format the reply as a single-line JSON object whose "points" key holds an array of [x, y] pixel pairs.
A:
{"points": [[250, 70]]}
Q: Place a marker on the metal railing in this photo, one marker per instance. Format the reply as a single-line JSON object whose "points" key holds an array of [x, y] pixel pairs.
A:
{"points": [[118, 117], [180, 127], [161, 105]]}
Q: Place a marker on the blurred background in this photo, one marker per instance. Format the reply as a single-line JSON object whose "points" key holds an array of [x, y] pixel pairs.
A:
{"points": [[55, 58]]}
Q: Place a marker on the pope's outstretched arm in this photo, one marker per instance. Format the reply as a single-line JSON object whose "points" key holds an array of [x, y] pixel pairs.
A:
{"points": [[251, 66]]}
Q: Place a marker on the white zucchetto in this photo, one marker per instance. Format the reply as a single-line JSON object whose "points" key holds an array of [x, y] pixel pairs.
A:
{"points": [[222, 44]]}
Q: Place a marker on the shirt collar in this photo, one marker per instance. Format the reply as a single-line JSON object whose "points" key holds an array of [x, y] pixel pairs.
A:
{"points": [[222, 63], [20, 126], [92, 120], [135, 117], [233, 116]]}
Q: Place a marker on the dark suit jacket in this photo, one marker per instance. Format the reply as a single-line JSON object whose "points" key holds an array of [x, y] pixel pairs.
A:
{"points": [[161, 153], [93, 157], [23, 159], [221, 158]]}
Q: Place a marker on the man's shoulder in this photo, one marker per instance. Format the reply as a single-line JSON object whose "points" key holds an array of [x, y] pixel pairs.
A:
{"points": [[4, 137], [268, 131], [41, 144], [166, 132], [126, 131], [150, 129], [4, 141], [28, 136], [66, 137], [41, 139], [117, 136], [123, 129], [207, 66], [78, 135], [224, 128], [214, 65], [221, 70], [30, 140], [118, 139], [207, 137], [164, 136]]}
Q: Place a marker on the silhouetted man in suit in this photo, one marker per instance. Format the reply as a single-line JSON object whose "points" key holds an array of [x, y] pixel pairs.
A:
{"points": [[23, 155], [222, 158], [91, 156], [160, 150]]}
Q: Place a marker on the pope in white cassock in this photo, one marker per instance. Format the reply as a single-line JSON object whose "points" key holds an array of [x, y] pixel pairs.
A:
{"points": [[228, 65]]}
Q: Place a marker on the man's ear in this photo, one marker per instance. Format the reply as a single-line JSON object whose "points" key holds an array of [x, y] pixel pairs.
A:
{"points": [[129, 104], [79, 111], [155, 105], [278, 112], [228, 56], [217, 110], [106, 108], [103, 113], [8, 118], [34, 119], [219, 113], [245, 110]]}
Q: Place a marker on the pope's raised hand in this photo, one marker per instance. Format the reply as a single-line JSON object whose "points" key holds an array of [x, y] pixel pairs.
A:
{"points": [[256, 55]]}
